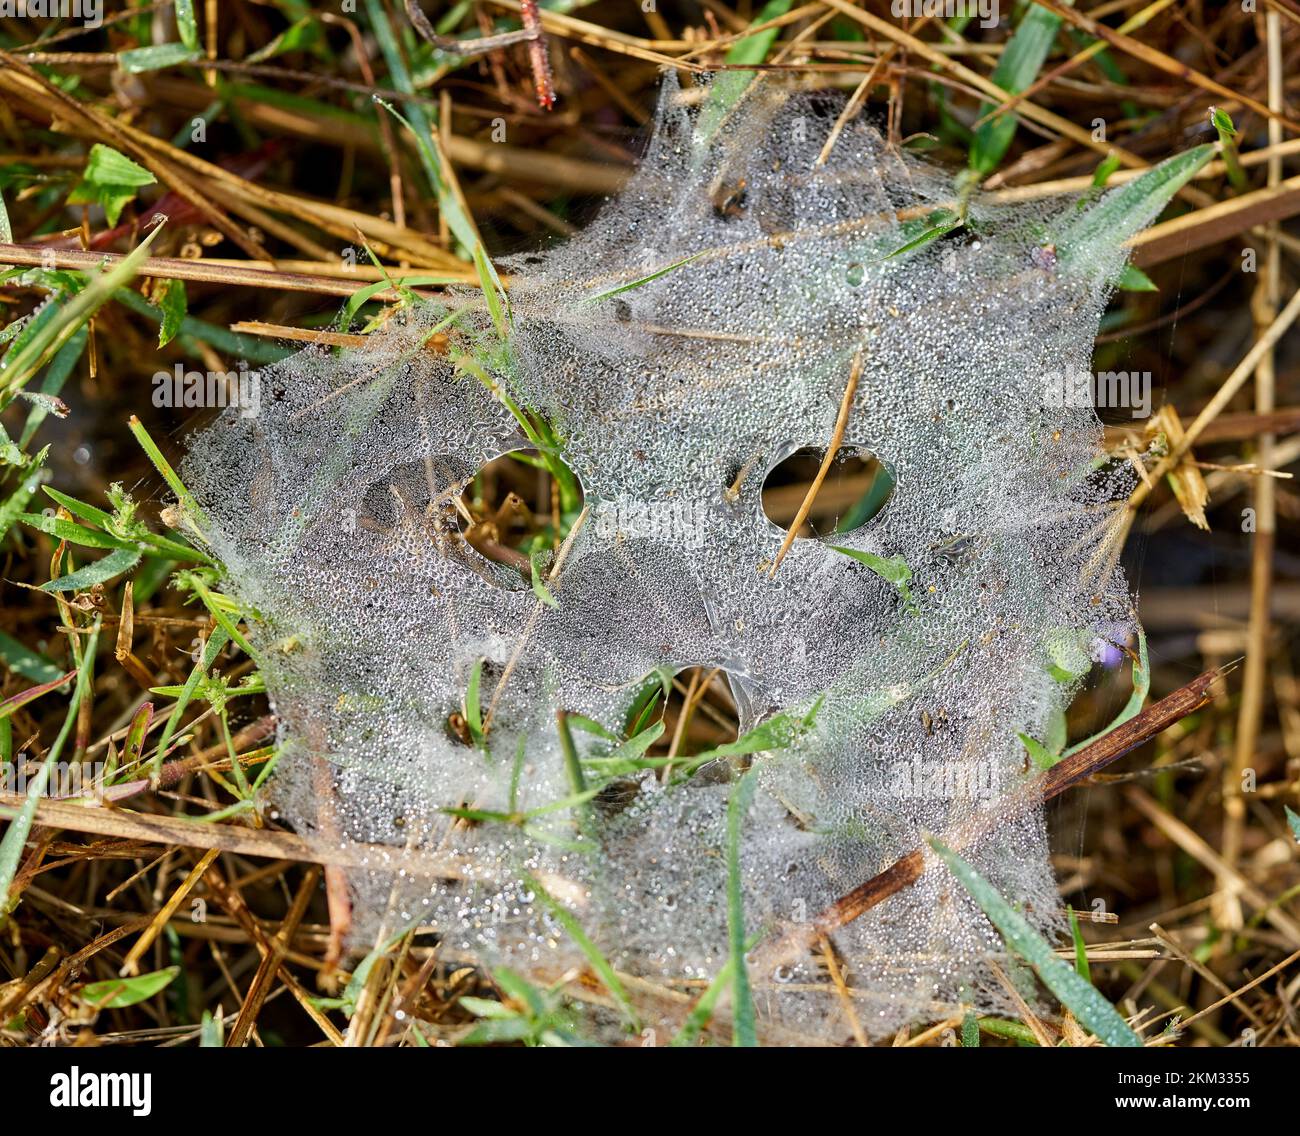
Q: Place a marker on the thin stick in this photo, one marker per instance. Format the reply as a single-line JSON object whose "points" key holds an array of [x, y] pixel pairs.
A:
{"points": [[176, 268], [1065, 774], [1264, 303], [841, 422]]}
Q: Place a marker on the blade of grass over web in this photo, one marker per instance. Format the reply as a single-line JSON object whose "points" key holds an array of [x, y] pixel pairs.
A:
{"points": [[1075, 993], [744, 1033], [599, 963], [460, 223], [1124, 211], [628, 287], [730, 86]]}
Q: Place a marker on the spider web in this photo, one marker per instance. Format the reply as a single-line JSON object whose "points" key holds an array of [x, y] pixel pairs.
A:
{"points": [[893, 710]]}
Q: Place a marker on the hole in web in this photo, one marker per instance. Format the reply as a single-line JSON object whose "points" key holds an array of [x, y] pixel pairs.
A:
{"points": [[697, 716], [856, 488], [514, 505], [522, 501]]}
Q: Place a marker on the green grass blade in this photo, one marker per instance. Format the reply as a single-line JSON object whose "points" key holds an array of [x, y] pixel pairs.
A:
{"points": [[118, 993], [100, 572], [1127, 210], [730, 86], [189, 505], [640, 281], [37, 350], [11, 847], [744, 1034], [1081, 967], [1079, 996], [1018, 66], [599, 963]]}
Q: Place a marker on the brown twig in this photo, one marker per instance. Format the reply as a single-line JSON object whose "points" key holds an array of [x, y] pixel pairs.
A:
{"points": [[1065, 774]]}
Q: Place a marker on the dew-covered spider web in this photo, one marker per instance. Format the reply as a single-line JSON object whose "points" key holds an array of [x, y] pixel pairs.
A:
{"points": [[894, 689]]}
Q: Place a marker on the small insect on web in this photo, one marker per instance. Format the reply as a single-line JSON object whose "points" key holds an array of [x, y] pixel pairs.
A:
{"points": [[672, 355]]}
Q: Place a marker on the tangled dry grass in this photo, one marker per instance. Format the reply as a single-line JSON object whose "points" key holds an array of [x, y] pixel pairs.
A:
{"points": [[287, 190]]}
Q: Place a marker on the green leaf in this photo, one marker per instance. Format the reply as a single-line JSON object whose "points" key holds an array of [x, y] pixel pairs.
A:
{"points": [[893, 570], [1125, 211], [626, 757], [1088, 1006], [12, 508], [68, 319], [189, 506], [216, 642], [599, 963], [1107, 166], [80, 509], [211, 1032], [1042, 757], [297, 37], [473, 706], [1293, 819], [106, 166], [174, 306], [744, 1033], [74, 533], [486, 1008], [1133, 279], [621, 288], [101, 571], [970, 1032], [1018, 66], [540, 590], [367, 292], [11, 845], [702, 1011], [111, 180], [1081, 967], [940, 223], [591, 726], [779, 732], [730, 86], [141, 59], [118, 993], [25, 662], [572, 766], [186, 25]]}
